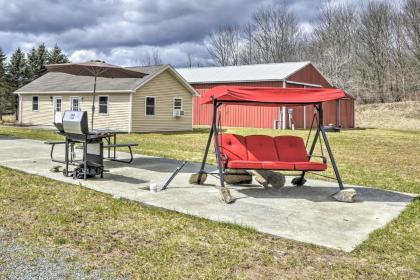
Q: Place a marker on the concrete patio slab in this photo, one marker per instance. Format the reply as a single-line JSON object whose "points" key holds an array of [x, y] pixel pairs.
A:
{"points": [[306, 214]]}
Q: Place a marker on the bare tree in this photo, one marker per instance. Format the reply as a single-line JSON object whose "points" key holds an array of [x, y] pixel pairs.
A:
{"points": [[374, 50], [276, 34], [247, 54], [333, 48], [151, 58], [411, 18], [224, 45], [157, 60]]}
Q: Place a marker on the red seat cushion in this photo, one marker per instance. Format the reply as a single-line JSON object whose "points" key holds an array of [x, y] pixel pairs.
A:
{"points": [[277, 165], [244, 164], [265, 152], [233, 146], [261, 148], [291, 149], [310, 166]]}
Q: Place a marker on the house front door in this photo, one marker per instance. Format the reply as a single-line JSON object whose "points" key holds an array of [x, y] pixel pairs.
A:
{"points": [[58, 109]]}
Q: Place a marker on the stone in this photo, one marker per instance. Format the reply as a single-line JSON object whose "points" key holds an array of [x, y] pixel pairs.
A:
{"points": [[346, 195], [268, 178], [194, 179], [225, 195], [237, 176]]}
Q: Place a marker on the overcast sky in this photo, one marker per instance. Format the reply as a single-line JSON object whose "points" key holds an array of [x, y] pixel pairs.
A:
{"points": [[122, 31]]}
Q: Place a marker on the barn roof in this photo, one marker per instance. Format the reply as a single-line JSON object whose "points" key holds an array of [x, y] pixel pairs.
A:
{"points": [[242, 73]]}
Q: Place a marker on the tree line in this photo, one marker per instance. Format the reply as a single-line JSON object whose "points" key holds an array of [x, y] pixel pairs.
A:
{"points": [[371, 50], [23, 68]]}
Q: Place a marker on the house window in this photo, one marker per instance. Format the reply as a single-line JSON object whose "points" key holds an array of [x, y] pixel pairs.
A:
{"points": [[35, 103], [177, 103], [150, 105], [74, 103], [103, 105]]}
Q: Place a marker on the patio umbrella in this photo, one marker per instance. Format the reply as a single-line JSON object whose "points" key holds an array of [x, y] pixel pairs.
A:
{"points": [[94, 68]]}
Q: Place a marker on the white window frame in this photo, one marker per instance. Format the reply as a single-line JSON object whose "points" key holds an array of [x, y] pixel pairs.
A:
{"points": [[107, 105], [32, 104], [145, 106], [182, 103], [71, 102]]}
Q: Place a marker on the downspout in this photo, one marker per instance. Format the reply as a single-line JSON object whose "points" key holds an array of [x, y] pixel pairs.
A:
{"points": [[20, 109], [338, 113], [283, 121], [130, 113]]}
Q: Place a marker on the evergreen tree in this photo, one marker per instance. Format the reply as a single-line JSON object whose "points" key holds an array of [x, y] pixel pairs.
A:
{"points": [[2, 65], [17, 70], [37, 58], [17, 76], [5, 91], [57, 56]]}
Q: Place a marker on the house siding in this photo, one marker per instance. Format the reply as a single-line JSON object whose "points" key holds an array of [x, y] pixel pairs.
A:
{"points": [[164, 87], [117, 117]]}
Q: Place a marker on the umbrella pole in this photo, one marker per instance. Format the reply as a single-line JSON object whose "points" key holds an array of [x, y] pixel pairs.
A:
{"points": [[93, 103]]}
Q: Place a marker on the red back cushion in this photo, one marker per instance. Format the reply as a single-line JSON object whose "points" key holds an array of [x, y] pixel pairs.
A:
{"points": [[233, 146], [261, 148], [291, 149]]}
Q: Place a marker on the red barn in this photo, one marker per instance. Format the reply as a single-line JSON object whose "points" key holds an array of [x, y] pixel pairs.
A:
{"points": [[290, 74]]}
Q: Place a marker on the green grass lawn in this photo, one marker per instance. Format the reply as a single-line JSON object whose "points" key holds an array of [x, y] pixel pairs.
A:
{"points": [[145, 242]]}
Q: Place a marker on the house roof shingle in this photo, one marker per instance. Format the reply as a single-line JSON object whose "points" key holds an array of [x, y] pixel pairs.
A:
{"points": [[61, 82]]}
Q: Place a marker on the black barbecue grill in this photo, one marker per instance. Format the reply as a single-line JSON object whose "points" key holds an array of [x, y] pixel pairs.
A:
{"points": [[74, 128]]}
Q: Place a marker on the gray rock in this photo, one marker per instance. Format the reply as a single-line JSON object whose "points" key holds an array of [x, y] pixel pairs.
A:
{"points": [[346, 195], [268, 178], [225, 195], [237, 176], [194, 179]]}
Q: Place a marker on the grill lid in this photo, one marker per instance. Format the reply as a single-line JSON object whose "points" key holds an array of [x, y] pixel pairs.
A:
{"points": [[75, 122]]}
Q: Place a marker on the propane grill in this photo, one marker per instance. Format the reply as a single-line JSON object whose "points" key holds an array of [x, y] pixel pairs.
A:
{"points": [[75, 129]]}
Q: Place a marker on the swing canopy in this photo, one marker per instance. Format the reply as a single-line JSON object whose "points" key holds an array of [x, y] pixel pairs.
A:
{"points": [[271, 95]]}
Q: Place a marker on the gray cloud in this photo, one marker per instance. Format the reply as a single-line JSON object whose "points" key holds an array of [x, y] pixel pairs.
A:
{"points": [[121, 31]]}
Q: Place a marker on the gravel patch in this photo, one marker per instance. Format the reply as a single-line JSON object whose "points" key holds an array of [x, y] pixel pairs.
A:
{"points": [[18, 261]]}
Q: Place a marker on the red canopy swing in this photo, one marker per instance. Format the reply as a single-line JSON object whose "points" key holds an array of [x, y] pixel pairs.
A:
{"points": [[265, 152]]}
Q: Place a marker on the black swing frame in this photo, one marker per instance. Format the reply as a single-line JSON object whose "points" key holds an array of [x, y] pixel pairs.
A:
{"points": [[320, 131]]}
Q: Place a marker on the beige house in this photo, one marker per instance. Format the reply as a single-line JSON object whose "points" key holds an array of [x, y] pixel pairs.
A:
{"points": [[160, 101]]}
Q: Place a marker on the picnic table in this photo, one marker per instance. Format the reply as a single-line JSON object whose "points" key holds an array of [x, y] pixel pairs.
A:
{"points": [[110, 137]]}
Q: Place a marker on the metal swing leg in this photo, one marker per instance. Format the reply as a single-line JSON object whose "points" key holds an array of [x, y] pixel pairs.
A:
{"points": [[206, 152], [333, 163], [224, 192]]}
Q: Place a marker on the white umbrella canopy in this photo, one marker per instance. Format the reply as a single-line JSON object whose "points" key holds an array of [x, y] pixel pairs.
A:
{"points": [[95, 68]]}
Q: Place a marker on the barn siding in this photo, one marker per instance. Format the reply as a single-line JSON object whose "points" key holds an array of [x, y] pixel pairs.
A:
{"points": [[263, 116], [309, 75], [236, 115]]}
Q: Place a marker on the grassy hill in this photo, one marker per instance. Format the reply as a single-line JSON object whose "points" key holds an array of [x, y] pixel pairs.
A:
{"points": [[398, 115]]}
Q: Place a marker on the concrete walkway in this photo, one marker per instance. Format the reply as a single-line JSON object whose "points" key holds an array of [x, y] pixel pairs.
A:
{"points": [[305, 214]]}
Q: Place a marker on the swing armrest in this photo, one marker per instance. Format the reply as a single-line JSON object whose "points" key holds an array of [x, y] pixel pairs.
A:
{"points": [[324, 159]]}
